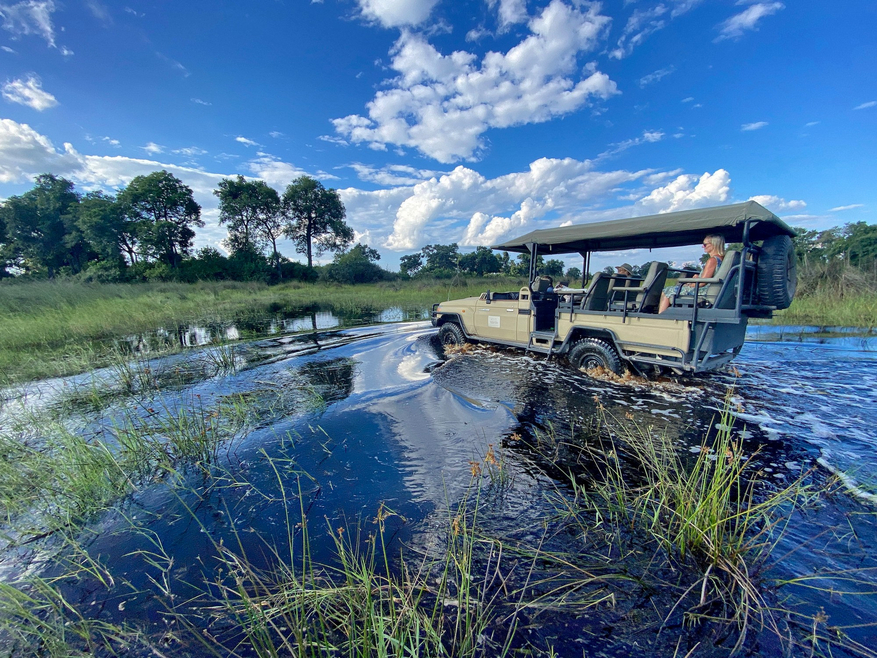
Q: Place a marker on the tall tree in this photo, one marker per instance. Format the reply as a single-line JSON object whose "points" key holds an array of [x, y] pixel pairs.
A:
{"points": [[408, 265], [314, 218], [41, 227], [112, 233], [167, 210], [441, 257], [481, 261], [241, 202]]}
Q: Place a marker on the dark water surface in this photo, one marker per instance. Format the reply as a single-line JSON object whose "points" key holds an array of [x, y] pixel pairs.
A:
{"points": [[343, 422]]}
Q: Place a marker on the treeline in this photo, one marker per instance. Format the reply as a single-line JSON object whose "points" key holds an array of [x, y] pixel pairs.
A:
{"points": [[445, 261], [145, 232]]}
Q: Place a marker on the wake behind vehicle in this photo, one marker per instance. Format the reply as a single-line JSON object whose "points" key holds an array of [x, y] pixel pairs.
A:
{"points": [[614, 320]]}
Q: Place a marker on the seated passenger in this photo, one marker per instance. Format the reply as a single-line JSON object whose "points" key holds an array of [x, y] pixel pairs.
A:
{"points": [[715, 248]]}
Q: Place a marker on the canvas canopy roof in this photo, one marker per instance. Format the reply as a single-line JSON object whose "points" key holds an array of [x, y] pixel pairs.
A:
{"points": [[673, 229]]}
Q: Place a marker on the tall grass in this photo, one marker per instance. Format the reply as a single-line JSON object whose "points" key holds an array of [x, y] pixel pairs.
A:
{"points": [[833, 294], [55, 328]]}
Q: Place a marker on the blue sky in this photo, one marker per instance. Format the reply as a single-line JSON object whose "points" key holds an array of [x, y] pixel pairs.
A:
{"points": [[453, 121]]}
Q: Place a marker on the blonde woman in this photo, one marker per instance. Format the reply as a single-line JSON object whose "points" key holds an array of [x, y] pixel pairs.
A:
{"points": [[715, 249]]}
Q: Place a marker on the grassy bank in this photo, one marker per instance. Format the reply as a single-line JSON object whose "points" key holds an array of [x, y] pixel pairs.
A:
{"points": [[824, 308], [57, 328]]}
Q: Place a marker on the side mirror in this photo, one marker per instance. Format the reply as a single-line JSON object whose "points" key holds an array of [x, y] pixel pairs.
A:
{"points": [[488, 296]]}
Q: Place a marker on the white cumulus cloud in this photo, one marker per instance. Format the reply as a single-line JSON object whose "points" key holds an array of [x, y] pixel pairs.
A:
{"points": [[686, 192], [397, 13], [747, 20], [246, 142], [510, 12], [778, 204], [29, 91], [441, 105]]}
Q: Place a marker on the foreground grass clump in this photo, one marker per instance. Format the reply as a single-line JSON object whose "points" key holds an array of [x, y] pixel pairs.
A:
{"points": [[57, 328]]}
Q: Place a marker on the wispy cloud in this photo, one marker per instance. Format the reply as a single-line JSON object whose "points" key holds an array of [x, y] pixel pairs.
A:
{"points": [[174, 64], [648, 137], [849, 207], [246, 142], [190, 151], [810, 124], [753, 126], [688, 100], [276, 134], [746, 20], [134, 12], [31, 17], [198, 101], [29, 91], [656, 76], [7, 49], [99, 11], [152, 148], [865, 106]]}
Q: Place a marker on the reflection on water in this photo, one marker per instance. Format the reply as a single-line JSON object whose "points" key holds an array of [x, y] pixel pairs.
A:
{"points": [[368, 416], [258, 324]]}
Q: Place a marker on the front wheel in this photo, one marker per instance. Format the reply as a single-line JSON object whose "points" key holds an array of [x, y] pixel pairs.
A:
{"points": [[451, 334], [590, 353]]}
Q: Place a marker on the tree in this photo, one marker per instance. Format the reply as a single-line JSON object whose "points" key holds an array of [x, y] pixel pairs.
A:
{"points": [[440, 257], [41, 227], [240, 204], [314, 218], [356, 266], [553, 267], [408, 265], [166, 210], [480, 262], [112, 233], [574, 274]]}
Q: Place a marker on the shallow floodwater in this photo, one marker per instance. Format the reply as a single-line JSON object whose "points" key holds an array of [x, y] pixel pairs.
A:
{"points": [[345, 422]]}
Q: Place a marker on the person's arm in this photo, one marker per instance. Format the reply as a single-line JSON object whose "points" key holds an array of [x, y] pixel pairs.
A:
{"points": [[709, 269]]}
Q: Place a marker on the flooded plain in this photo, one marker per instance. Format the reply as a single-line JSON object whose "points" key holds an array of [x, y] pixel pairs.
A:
{"points": [[351, 432]]}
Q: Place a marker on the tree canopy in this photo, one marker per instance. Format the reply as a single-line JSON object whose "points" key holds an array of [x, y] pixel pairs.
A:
{"points": [[315, 218]]}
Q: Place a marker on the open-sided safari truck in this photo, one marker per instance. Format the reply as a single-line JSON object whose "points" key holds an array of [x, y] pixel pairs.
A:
{"points": [[614, 320]]}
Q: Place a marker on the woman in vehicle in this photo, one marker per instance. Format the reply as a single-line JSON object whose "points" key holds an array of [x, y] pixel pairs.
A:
{"points": [[715, 249]]}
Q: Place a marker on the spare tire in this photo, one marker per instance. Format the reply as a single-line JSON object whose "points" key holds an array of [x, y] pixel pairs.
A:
{"points": [[777, 272]]}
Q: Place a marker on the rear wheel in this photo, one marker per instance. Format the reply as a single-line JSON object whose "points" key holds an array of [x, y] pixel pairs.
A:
{"points": [[777, 272], [590, 353], [451, 334]]}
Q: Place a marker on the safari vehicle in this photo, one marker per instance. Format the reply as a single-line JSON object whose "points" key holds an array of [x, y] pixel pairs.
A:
{"points": [[614, 320]]}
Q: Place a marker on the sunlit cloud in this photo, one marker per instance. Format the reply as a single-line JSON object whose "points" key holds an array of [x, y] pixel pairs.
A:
{"points": [[441, 105], [852, 206], [397, 13], [29, 91]]}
